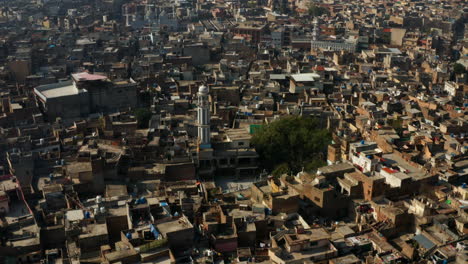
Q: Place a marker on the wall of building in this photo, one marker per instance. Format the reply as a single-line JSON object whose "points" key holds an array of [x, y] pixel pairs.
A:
{"points": [[181, 239], [121, 96], [115, 224], [226, 245], [67, 106], [89, 243], [285, 205], [247, 239], [181, 171]]}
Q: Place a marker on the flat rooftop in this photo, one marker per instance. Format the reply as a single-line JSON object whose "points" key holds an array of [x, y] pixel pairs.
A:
{"points": [[348, 259], [93, 230], [305, 77], [237, 134], [174, 226], [56, 90], [410, 170], [84, 76], [340, 167], [18, 210]]}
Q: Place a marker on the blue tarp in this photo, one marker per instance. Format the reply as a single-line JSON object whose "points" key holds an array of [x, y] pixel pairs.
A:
{"points": [[154, 231], [424, 242]]}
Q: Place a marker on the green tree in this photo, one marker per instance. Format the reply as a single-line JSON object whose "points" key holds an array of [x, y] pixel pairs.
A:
{"points": [[143, 116], [281, 169], [315, 164], [291, 144], [316, 10], [459, 68]]}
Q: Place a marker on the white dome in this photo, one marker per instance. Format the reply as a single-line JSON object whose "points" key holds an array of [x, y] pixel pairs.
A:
{"points": [[203, 89]]}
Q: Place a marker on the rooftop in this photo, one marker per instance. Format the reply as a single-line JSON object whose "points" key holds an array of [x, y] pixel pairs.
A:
{"points": [[339, 167], [56, 90], [174, 226], [408, 169], [305, 77], [84, 76]]}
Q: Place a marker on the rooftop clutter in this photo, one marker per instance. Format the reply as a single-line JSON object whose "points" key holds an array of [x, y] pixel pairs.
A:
{"points": [[127, 132]]}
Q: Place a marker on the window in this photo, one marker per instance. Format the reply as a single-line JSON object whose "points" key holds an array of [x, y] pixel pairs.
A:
{"points": [[241, 143], [317, 199], [313, 243]]}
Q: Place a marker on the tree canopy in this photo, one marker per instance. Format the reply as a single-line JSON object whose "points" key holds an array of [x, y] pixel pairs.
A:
{"points": [[459, 68], [316, 10], [290, 144]]}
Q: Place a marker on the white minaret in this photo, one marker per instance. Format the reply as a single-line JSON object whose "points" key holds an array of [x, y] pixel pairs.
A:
{"points": [[316, 31], [203, 116]]}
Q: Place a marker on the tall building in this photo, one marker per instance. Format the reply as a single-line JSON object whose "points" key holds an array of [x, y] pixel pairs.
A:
{"points": [[203, 115]]}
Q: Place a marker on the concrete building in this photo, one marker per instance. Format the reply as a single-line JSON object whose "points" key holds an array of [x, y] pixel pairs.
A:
{"points": [[84, 94], [62, 100], [304, 81], [254, 31], [291, 247], [178, 232]]}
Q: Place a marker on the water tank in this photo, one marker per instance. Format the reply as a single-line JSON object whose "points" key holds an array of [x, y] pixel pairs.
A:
{"points": [[99, 199], [102, 210], [41, 141]]}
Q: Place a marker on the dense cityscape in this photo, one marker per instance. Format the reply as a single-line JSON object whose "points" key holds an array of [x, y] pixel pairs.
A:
{"points": [[234, 131]]}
